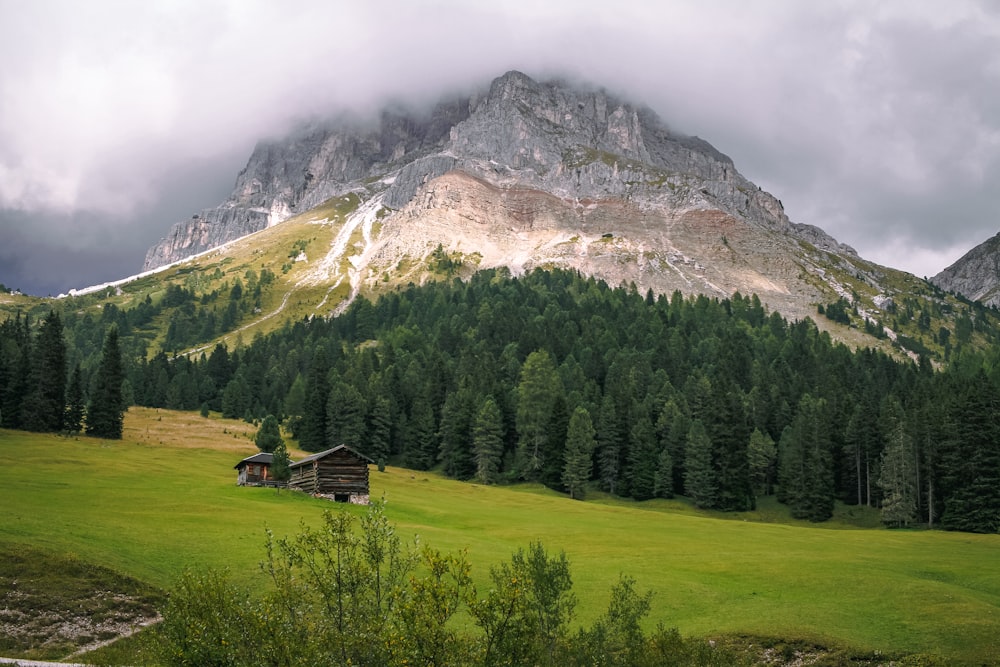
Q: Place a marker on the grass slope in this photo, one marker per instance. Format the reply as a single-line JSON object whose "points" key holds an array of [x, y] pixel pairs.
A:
{"points": [[164, 499]]}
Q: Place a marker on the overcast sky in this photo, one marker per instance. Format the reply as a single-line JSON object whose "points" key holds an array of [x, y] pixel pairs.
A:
{"points": [[877, 121]]}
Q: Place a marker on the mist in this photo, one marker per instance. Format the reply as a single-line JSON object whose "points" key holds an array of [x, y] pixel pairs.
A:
{"points": [[878, 123]]}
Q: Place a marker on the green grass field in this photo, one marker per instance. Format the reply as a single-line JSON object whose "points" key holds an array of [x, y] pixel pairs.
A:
{"points": [[164, 499]]}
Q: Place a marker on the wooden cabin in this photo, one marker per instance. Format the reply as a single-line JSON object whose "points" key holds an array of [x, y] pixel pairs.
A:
{"points": [[340, 474], [254, 470]]}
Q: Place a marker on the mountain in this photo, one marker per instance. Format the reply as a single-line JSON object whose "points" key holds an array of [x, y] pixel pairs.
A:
{"points": [[522, 175], [976, 275], [529, 174]]}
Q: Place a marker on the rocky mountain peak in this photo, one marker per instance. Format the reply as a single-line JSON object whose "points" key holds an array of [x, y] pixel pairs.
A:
{"points": [[976, 275], [525, 173]]}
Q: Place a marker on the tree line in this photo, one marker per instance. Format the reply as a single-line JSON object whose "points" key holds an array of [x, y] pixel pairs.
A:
{"points": [[563, 380], [39, 393]]}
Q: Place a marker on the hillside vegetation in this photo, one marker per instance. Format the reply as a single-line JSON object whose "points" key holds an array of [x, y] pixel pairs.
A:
{"points": [[164, 499]]}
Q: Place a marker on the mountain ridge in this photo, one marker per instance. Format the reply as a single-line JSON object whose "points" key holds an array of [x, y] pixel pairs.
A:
{"points": [[519, 125], [976, 274]]}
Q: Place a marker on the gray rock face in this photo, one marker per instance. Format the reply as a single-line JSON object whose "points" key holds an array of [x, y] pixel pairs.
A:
{"points": [[320, 161], [576, 144], [976, 275]]}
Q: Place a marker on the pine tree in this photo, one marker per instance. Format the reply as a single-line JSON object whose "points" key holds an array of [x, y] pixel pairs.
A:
{"points": [[972, 467], [700, 482], [487, 442], [762, 457], [295, 405], [536, 396], [280, 471], [898, 475], [17, 370], [312, 437], [421, 437], [806, 468], [380, 430], [643, 457], [236, 399], [609, 445], [105, 413], [45, 405], [664, 479], [456, 428], [75, 404], [268, 436], [345, 416], [580, 444]]}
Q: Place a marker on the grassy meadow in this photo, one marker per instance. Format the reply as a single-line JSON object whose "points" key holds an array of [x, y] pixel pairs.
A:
{"points": [[164, 499]]}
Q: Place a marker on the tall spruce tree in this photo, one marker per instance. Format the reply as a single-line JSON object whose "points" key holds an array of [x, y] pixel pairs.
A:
{"points": [[537, 391], [700, 481], [972, 468], [380, 430], [762, 457], [345, 416], [105, 413], [487, 442], [455, 433], [898, 472], [312, 437], [806, 469], [75, 405], [580, 444], [45, 404]]}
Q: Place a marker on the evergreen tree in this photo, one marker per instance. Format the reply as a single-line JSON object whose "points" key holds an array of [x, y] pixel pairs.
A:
{"points": [[972, 468], [806, 470], [280, 471], [16, 367], [580, 444], [380, 430], [45, 405], [345, 416], [643, 457], [105, 413], [700, 482], [456, 429], [609, 445], [762, 457], [268, 436], [898, 474], [673, 426], [313, 432], [75, 404], [236, 398], [536, 396], [421, 437], [664, 479], [295, 405], [487, 442]]}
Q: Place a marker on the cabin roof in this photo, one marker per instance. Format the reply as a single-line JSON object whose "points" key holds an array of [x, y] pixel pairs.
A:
{"points": [[324, 454], [259, 457]]}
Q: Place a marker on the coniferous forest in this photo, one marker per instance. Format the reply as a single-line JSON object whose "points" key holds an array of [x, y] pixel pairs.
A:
{"points": [[563, 380]]}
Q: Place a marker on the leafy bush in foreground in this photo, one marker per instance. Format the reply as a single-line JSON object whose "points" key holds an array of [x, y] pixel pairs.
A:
{"points": [[349, 597]]}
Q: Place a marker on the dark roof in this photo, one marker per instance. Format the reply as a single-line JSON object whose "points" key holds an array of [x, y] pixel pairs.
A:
{"points": [[259, 457], [320, 455]]}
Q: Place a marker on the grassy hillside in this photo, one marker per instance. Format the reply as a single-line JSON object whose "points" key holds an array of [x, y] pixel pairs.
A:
{"points": [[165, 499]]}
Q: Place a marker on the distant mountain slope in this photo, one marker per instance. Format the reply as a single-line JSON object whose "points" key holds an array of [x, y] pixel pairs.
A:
{"points": [[976, 275]]}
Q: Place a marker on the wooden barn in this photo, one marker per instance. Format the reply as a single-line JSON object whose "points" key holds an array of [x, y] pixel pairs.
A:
{"points": [[254, 470], [340, 474]]}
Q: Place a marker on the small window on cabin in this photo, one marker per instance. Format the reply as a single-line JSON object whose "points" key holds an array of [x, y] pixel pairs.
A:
{"points": [[342, 497]]}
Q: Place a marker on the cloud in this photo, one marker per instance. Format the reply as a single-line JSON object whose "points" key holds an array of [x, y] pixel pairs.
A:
{"points": [[878, 122]]}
